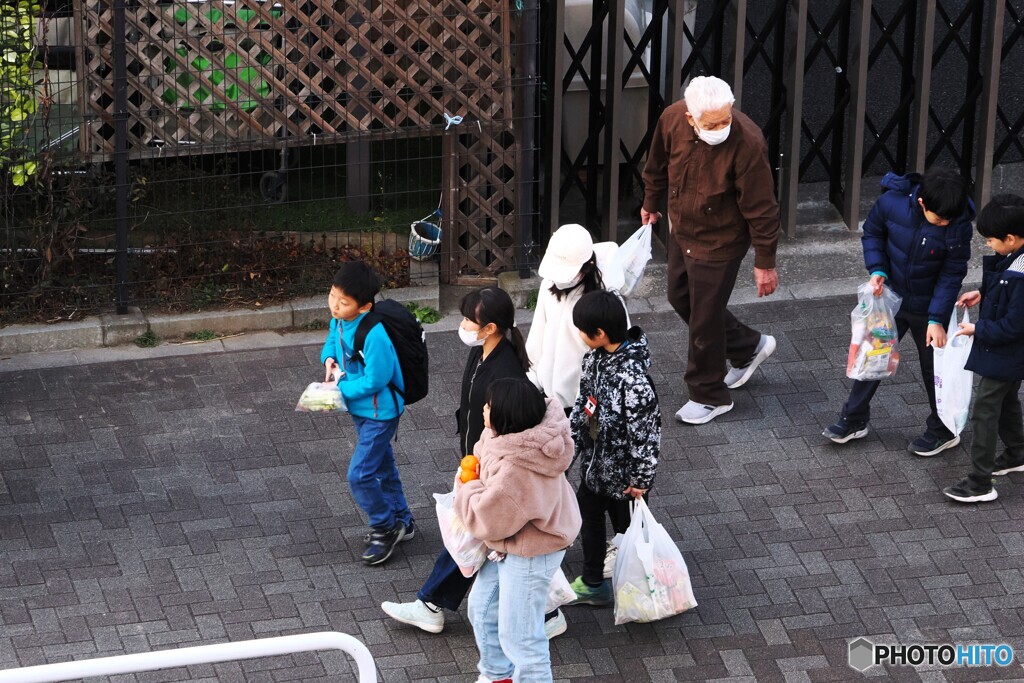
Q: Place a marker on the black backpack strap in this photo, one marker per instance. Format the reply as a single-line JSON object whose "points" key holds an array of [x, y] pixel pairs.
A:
{"points": [[365, 325]]}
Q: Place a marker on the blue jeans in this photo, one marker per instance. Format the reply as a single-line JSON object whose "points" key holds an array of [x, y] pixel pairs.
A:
{"points": [[446, 586], [373, 476], [506, 609]]}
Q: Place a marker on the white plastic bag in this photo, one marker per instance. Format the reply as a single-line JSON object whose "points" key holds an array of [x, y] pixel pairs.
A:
{"points": [[560, 591], [650, 581], [873, 343], [321, 397], [632, 258], [467, 552], [953, 383]]}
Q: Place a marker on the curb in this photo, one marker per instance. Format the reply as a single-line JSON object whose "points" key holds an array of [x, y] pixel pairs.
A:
{"points": [[110, 329]]}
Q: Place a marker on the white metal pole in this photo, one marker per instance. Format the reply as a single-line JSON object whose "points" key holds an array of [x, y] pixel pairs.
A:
{"points": [[202, 654]]}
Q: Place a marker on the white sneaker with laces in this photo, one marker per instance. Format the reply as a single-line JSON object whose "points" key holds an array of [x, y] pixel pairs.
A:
{"points": [[609, 560], [697, 413], [418, 613], [737, 377], [556, 625]]}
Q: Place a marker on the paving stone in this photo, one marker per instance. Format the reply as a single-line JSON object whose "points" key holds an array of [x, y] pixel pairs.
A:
{"points": [[176, 500]]}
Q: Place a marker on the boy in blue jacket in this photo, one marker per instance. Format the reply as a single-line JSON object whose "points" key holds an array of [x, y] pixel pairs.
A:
{"points": [[365, 384], [917, 239], [997, 355]]}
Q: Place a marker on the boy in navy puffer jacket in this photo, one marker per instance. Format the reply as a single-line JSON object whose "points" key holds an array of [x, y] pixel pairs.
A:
{"points": [[917, 239], [998, 351]]}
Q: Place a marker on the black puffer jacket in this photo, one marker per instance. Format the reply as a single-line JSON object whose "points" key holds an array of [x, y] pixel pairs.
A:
{"points": [[628, 420]]}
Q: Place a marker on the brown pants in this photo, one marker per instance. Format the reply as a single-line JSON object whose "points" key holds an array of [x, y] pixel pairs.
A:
{"points": [[699, 292]]}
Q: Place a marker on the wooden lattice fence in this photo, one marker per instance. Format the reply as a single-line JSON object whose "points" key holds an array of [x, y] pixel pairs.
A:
{"points": [[219, 76]]}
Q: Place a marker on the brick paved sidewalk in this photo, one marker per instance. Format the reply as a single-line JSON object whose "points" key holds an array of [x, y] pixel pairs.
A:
{"points": [[179, 501]]}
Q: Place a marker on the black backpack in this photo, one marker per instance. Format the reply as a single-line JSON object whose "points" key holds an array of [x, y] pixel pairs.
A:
{"points": [[409, 340]]}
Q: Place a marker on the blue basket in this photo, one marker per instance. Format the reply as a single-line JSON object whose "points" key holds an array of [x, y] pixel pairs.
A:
{"points": [[424, 239]]}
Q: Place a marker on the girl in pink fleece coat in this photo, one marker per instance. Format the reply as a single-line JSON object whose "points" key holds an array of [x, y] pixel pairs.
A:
{"points": [[523, 508]]}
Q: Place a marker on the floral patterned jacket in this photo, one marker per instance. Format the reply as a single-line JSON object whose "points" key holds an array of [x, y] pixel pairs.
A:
{"points": [[616, 421]]}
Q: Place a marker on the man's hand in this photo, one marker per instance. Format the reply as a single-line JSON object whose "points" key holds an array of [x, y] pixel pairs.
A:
{"points": [[935, 337], [648, 217], [767, 280], [635, 492], [969, 299], [329, 365], [876, 283], [967, 329]]}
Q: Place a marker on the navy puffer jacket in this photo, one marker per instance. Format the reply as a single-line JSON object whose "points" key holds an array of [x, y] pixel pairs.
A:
{"points": [[998, 350], [924, 263]]}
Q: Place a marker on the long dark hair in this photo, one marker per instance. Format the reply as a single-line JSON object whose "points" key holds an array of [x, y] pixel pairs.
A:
{"points": [[591, 281], [516, 405], [494, 305]]}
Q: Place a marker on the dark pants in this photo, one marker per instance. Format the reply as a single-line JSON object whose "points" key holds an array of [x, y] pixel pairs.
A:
{"points": [[446, 586], [997, 413], [858, 406], [699, 292], [593, 507]]}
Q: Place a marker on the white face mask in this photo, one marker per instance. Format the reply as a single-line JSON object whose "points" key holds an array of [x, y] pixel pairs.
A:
{"points": [[571, 283], [468, 337], [713, 137]]}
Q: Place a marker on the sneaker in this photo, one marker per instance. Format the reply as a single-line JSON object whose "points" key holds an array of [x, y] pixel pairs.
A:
{"points": [[410, 532], [928, 444], [485, 679], [738, 376], [844, 430], [609, 560], [589, 595], [382, 544], [970, 491], [698, 413], [422, 615], [556, 625], [1006, 463]]}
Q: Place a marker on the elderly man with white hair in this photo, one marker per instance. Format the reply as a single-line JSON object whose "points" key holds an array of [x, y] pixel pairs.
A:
{"points": [[712, 161]]}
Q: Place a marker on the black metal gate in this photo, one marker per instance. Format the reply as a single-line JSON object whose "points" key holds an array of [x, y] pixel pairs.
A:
{"points": [[841, 88]]}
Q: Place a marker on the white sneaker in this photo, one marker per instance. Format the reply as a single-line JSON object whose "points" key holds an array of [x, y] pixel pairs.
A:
{"points": [[737, 377], [609, 560], [698, 413], [419, 614], [556, 625]]}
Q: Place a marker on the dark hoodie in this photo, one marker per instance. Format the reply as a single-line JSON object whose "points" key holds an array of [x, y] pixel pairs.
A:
{"points": [[923, 263], [628, 419]]}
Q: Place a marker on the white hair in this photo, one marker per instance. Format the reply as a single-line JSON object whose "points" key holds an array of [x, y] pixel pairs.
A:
{"points": [[707, 93]]}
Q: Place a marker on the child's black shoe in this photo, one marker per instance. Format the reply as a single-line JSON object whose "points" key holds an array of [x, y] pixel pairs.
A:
{"points": [[929, 444], [844, 430], [382, 544], [970, 491], [1006, 463]]}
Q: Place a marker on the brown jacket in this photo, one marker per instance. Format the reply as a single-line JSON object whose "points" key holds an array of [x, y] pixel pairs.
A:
{"points": [[522, 504], [720, 198]]}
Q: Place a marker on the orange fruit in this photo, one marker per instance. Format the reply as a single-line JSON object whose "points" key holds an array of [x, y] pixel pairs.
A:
{"points": [[467, 475], [470, 462]]}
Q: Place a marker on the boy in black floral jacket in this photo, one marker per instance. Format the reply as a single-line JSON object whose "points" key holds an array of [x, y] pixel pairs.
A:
{"points": [[616, 428]]}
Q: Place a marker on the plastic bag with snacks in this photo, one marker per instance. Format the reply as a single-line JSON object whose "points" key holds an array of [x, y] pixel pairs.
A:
{"points": [[321, 397], [873, 351], [651, 580]]}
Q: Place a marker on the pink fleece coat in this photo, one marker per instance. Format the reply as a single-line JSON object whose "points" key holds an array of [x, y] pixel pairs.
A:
{"points": [[522, 504]]}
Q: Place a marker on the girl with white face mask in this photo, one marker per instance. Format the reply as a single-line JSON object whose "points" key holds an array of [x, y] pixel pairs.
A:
{"points": [[497, 351], [570, 268]]}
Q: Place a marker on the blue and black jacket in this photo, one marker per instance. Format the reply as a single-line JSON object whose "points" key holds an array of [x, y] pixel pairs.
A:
{"points": [[925, 264], [998, 349]]}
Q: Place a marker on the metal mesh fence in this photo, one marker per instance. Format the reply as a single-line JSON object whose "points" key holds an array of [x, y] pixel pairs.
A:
{"points": [[187, 155]]}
